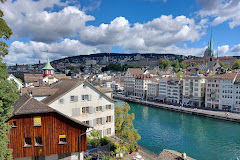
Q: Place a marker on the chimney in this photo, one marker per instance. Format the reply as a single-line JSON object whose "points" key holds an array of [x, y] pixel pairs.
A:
{"points": [[184, 155]]}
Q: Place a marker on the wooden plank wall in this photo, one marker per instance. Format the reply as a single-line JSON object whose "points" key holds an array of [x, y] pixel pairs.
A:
{"points": [[53, 125]]}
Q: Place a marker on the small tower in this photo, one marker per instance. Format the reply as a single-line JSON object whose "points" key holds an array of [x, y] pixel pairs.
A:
{"points": [[48, 69]]}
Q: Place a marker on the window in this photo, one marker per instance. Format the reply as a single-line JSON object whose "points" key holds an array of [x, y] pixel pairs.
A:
{"points": [[14, 124], [38, 141], [108, 119], [108, 131], [37, 121], [108, 106], [61, 101], [73, 98], [99, 121], [27, 142], [196, 94], [62, 139], [85, 109], [86, 122], [98, 108], [86, 97], [75, 111]]}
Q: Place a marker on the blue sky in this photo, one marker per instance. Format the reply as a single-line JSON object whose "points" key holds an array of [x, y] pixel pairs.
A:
{"points": [[68, 28]]}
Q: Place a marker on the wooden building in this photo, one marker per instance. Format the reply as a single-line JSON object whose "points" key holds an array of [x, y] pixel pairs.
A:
{"points": [[40, 132]]}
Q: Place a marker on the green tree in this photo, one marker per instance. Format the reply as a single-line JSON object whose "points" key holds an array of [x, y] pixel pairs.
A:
{"points": [[124, 126], [236, 64], [222, 64], [8, 92], [164, 64], [183, 65], [180, 75]]}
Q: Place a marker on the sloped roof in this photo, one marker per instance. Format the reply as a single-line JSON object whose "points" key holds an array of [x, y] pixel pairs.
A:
{"points": [[223, 76], [172, 155], [36, 77], [39, 91], [48, 65], [65, 86], [62, 87], [136, 71], [29, 105]]}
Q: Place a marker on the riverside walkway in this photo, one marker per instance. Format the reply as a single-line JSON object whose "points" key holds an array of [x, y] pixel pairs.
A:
{"points": [[234, 117]]}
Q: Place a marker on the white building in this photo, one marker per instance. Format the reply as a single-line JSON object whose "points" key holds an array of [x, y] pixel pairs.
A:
{"points": [[162, 94], [194, 90], [17, 81], [81, 101], [140, 88], [129, 80], [174, 91], [90, 62]]}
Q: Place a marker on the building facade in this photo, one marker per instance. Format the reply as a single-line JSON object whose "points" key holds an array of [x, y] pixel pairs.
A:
{"points": [[194, 91], [152, 90], [174, 91]]}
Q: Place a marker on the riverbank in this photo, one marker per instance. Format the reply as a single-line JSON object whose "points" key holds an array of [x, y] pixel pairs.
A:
{"points": [[227, 116]]}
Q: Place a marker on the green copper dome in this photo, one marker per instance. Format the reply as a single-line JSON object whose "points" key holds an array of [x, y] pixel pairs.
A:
{"points": [[48, 65]]}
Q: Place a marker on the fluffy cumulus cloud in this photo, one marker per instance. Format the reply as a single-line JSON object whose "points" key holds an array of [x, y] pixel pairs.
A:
{"points": [[31, 52], [236, 49], [223, 50], [147, 37], [221, 11], [29, 18]]}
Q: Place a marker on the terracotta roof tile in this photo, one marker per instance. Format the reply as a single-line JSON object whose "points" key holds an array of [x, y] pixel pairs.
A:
{"points": [[223, 76]]}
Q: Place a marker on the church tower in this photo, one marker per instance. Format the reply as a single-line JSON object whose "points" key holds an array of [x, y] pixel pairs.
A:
{"points": [[48, 69]]}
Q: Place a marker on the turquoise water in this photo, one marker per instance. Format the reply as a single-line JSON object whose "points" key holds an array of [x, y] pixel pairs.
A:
{"points": [[200, 137]]}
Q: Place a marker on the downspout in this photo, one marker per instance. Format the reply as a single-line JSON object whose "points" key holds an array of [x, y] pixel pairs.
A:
{"points": [[80, 142]]}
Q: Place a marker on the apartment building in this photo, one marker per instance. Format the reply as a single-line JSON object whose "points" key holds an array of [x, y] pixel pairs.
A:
{"points": [[194, 90], [162, 91], [140, 88], [222, 91], [152, 90], [129, 80], [174, 91], [79, 100]]}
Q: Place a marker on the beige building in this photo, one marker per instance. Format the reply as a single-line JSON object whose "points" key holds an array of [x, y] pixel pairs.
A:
{"points": [[152, 90], [194, 90]]}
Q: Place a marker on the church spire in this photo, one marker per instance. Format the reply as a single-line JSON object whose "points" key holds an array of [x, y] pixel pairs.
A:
{"points": [[210, 50]]}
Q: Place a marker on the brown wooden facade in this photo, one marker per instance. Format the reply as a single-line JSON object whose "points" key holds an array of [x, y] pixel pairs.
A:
{"points": [[53, 125]]}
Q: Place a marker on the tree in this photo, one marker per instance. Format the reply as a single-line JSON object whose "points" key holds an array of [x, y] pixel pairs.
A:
{"points": [[183, 65], [222, 64], [180, 75], [236, 64], [8, 92], [164, 64], [124, 126]]}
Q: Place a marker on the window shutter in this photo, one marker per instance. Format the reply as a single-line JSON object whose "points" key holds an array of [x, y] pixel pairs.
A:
{"points": [[76, 98], [90, 122], [112, 107], [91, 109], [112, 119], [94, 122], [89, 97], [94, 109], [104, 120], [103, 108]]}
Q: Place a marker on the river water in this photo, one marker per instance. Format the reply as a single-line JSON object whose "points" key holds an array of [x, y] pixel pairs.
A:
{"points": [[200, 137]]}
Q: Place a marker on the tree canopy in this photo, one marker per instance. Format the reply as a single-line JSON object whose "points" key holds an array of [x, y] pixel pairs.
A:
{"points": [[236, 64], [8, 92], [124, 126]]}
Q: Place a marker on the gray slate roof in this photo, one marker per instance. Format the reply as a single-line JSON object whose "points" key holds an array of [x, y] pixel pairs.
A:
{"points": [[172, 155]]}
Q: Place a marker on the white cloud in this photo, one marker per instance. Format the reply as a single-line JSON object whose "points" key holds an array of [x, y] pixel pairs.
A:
{"points": [[236, 49], [221, 11], [160, 32], [222, 50], [29, 19], [31, 52]]}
